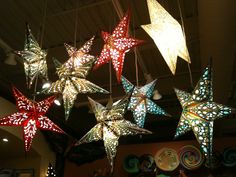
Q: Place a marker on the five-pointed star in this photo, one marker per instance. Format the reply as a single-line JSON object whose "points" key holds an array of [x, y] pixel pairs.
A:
{"points": [[140, 102], [110, 126], [116, 45], [31, 116], [167, 35], [34, 59], [72, 76], [199, 112]]}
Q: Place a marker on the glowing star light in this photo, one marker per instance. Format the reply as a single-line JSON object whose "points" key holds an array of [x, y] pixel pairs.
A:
{"points": [[116, 45], [110, 126], [31, 116], [140, 102], [167, 35], [34, 59], [72, 76], [199, 112]]}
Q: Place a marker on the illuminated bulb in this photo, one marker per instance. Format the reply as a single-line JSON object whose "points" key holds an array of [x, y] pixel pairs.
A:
{"points": [[46, 85], [5, 140], [156, 95], [57, 102]]}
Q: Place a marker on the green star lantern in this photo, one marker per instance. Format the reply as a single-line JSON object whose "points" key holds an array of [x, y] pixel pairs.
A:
{"points": [[199, 113], [72, 76], [140, 103], [110, 126]]}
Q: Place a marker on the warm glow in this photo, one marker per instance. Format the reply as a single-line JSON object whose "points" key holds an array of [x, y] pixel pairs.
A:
{"points": [[5, 140], [110, 126], [167, 35]]}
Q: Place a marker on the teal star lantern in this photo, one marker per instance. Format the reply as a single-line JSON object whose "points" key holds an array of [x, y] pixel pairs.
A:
{"points": [[140, 103], [199, 113], [110, 126]]}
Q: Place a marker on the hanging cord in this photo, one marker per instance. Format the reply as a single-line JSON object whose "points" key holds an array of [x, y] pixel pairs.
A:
{"points": [[76, 23], [182, 24], [40, 44], [135, 57]]}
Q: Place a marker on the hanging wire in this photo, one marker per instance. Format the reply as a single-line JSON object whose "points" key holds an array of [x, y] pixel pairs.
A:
{"points": [[76, 23], [182, 24], [40, 44]]}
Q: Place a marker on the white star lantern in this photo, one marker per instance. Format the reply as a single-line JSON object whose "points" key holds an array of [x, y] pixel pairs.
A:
{"points": [[167, 35]]}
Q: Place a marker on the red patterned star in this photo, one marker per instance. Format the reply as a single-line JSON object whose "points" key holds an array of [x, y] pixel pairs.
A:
{"points": [[116, 45], [31, 116]]}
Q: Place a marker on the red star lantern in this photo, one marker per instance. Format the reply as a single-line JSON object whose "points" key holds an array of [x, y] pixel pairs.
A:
{"points": [[116, 45], [31, 116]]}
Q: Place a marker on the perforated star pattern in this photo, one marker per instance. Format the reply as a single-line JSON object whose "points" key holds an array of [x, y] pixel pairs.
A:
{"points": [[34, 59], [31, 116], [167, 35], [72, 76], [116, 45], [140, 103], [110, 126], [199, 112]]}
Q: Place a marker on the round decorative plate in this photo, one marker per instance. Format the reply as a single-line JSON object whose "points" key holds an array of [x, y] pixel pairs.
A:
{"points": [[147, 163], [190, 157], [131, 164], [229, 157], [167, 159]]}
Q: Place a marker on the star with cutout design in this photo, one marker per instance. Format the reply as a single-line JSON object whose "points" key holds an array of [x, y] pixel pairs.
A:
{"points": [[110, 126], [167, 35], [199, 113], [34, 59], [31, 116], [116, 45], [140, 103], [72, 76]]}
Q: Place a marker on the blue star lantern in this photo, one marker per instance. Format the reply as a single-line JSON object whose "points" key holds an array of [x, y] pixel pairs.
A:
{"points": [[199, 113], [140, 102]]}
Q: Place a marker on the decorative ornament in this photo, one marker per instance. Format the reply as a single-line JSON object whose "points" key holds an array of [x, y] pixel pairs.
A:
{"points": [[190, 157], [140, 102], [116, 45], [167, 159], [72, 76], [199, 112], [51, 171], [34, 59], [31, 116], [131, 164], [229, 157], [147, 163], [110, 126], [167, 35]]}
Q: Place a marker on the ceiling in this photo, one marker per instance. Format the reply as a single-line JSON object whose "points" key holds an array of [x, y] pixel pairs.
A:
{"points": [[56, 25]]}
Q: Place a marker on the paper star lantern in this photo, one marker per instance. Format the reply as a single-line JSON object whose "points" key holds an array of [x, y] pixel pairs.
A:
{"points": [[110, 126], [140, 103], [34, 59], [72, 76], [167, 35], [31, 116], [116, 45], [199, 112]]}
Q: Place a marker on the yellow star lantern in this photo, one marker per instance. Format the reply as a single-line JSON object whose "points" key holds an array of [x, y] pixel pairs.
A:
{"points": [[72, 76], [110, 126], [167, 35], [199, 113]]}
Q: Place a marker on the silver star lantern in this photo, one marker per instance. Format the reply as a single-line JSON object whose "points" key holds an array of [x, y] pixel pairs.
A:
{"points": [[140, 103], [167, 35], [110, 126], [72, 76], [34, 59], [199, 113]]}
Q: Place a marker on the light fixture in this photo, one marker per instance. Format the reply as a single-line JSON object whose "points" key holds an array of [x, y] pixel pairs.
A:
{"points": [[156, 95], [46, 84], [57, 102], [5, 140]]}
